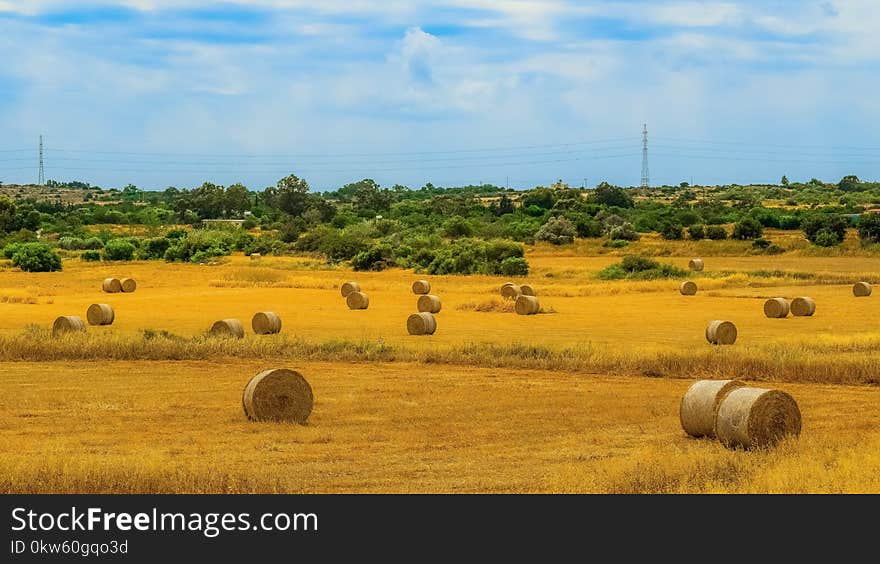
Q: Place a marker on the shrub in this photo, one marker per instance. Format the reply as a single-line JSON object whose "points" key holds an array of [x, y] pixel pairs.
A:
{"points": [[119, 249], [456, 227], [249, 223], [201, 245], [557, 230], [747, 228], [36, 257], [672, 231], [154, 249], [869, 228], [176, 234], [624, 231], [760, 244], [514, 266], [93, 244], [716, 232], [378, 257], [826, 238], [615, 243], [831, 223], [640, 268], [91, 256], [697, 232], [10, 249], [70, 243], [789, 222]]}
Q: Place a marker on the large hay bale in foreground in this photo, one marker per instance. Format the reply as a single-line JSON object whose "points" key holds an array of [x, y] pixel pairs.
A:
{"points": [[776, 308], [357, 300], [861, 289], [510, 291], [429, 303], [228, 328], [699, 405], [688, 288], [278, 394], [68, 324], [803, 306], [422, 323], [755, 418], [100, 314], [721, 332], [350, 287], [266, 323], [421, 287], [128, 285], [111, 285], [527, 290], [527, 305], [695, 264]]}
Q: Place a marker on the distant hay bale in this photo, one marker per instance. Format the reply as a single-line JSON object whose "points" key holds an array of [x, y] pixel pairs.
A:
{"points": [[695, 264], [421, 287], [278, 394], [429, 303], [776, 308], [350, 287], [422, 323], [228, 328], [68, 324], [803, 306], [699, 405], [688, 288], [128, 285], [266, 323], [755, 418], [861, 289], [510, 291], [721, 332], [527, 290], [256, 256], [527, 305], [100, 314], [112, 285], [357, 300]]}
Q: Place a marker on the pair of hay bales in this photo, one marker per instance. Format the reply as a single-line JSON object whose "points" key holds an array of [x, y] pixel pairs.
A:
{"points": [[96, 314], [720, 332], [511, 291], [354, 297], [263, 323], [116, 285], [778, 308], [278, 394], [738, 415], [861, 289]]}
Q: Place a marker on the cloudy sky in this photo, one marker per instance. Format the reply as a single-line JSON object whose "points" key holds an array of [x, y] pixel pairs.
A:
{"points": [[177, 92]]}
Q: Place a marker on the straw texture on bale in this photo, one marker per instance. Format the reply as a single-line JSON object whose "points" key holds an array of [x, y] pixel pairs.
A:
{"points": [[861, 289], [68, 324], [695, 264], [510, 291], [256, 256], [228, 328], [721, 332], [776, 308], [278, 394], [421, 287], [422, 323], [755, 418], [357, 300], [350, 287], [527, 290], [527, 305], [266, 323], [128, 285], [699, 405], [100, 314], [429, 303], [803, 306], [688, 288], [111, 285]]}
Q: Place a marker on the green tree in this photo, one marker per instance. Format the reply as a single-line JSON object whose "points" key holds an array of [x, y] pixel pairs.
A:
{"points": [[850, 183], [290, 195], [869, 228], [236, 200], [747, 228], [36, 257], [608, 195]]}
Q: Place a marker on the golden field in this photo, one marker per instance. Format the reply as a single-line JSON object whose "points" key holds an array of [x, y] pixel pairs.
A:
{"points": [[583, 398]]}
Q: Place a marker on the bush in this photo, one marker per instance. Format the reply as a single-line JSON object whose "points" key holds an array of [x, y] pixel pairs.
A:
{"points": [[250, 223], [716, 232], [834, 226], [91, 256], [10, 249], [869, 228], [201, 245], [70, 243], [672, 231], [119, 249], [615, 243], [36, 257], [826, 238], [640, 268], [154, 249], [760, 244], [624, 231], [697, 232], [557, 230], [514, 266], [93, 244], [789, 222], [377, 258], [747, 228]]}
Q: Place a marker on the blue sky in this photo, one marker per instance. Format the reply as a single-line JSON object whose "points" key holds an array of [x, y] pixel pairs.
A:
{"points": [[177, 92]]}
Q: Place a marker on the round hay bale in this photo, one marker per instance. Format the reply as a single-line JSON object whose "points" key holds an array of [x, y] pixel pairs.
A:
{"points": [[688, 288], [256, 256], [100, 314], [357, 300], [350, 287], [422, 323], [128, 285], [278, 394], [421, 287], [803, 306], [861, 289], [721, 332], [527, 290], [228, 328], [68, 324], [429, 303], [111, 285], [776, 308], [527, 305], [266, 323], [510, 291], [755, 418], [699, 405], [695, 264]]}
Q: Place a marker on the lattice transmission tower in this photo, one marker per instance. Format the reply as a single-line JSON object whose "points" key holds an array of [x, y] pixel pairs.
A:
{"points": [[41, 175], [646, 181]]}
